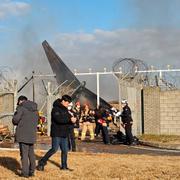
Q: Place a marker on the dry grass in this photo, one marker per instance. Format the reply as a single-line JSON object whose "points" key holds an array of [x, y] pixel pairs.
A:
{"points": [[97, 166], [161, 138]]}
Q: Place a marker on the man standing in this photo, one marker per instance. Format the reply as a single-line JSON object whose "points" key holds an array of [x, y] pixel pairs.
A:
{"points": [[61, 121], [127, 121], [26, 120]]}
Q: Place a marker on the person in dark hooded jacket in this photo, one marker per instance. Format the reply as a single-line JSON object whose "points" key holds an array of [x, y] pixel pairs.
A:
{"points": [[26, 120], [61, 121]]}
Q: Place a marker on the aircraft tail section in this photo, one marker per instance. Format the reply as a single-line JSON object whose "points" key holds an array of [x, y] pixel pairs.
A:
{"points": [[62, 72], [71, 84]]}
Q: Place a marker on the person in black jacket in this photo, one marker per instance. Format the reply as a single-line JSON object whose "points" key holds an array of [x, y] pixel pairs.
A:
{"points": [[60, 125], [71, 138], [26, 119], [102, 122], [127, 121], [77, 111]]}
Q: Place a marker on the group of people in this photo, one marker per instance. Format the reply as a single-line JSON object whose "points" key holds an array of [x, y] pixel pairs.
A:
{"points": [[87, 118], [66, 122], [89, 121]]}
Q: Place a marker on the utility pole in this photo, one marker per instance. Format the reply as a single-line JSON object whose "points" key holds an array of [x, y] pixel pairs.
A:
{"points": [[33, 87]]}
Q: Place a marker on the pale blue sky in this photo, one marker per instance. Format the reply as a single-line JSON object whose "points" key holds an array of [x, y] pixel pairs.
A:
{"points": [[87, 15], [48, 17], [73, 16], [27, 22]]}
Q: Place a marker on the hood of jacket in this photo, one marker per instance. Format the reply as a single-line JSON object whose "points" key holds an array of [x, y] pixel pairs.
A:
{"points": [[31, 106], [57, 103]]}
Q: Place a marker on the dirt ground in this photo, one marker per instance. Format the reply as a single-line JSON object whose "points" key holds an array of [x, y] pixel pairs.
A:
{"points": [[96, 166]]}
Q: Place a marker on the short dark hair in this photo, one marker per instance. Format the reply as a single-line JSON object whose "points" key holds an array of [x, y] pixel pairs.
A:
{"points": [[22, 98], [66, 98]]}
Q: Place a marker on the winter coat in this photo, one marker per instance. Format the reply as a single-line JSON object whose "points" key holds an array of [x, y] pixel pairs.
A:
{"points": [[26, 119], [77, 113], [88, 116], [60, 120], [126, 115]]}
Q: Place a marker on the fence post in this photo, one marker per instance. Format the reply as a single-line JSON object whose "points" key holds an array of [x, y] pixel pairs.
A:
{"points": [[49, 107]]}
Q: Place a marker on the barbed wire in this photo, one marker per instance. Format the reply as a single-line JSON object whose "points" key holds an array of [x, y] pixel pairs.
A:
{"points": [[136, 70]]}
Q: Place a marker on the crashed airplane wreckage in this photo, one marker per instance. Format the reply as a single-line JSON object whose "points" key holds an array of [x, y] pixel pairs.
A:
{"points": [[71, 85]]}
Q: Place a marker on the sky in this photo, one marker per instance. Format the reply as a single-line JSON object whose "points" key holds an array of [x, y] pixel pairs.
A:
{"points": [[88, 34]]}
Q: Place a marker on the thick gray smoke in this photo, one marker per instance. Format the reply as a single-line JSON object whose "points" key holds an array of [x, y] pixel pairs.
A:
{"points": [[156, 13], [32, 59]]}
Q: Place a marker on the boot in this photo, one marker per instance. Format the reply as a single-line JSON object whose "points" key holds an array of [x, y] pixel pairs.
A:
{"points": [[40, 166]]}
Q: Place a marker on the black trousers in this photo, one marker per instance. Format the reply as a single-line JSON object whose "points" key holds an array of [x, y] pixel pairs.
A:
{"points": [[128, 131], [105, 134], [97, 129], [27, 158], [71, 140]]}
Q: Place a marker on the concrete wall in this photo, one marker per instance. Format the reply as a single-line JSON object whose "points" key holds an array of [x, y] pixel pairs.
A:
{"points": [[170, 112], [134, 100], [133, 94], [6, 109], [151, 110], [161, 111]]}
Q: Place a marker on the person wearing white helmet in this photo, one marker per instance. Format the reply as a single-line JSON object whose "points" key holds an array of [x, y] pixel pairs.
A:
{"points": [[127, 121], [124, 101]]}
